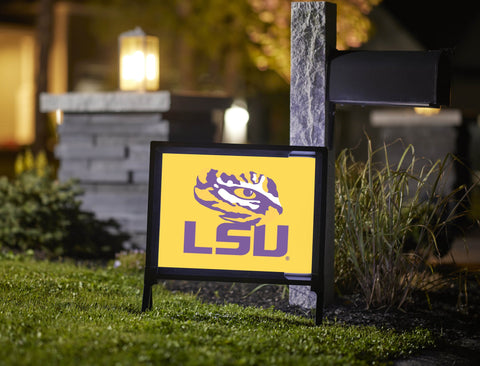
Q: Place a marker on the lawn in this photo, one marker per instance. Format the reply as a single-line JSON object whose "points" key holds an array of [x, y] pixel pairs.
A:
{"points": [[67, 314]]}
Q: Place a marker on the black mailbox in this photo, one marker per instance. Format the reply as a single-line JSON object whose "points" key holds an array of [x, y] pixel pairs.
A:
{"points": [[408, 78]]}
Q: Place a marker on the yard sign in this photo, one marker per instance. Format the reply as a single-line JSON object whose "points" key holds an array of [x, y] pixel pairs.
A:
{"points": [[235, 213], [210, 230]]}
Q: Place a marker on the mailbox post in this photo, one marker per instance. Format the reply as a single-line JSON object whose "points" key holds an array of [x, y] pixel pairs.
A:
{"points": [[322, 76]]}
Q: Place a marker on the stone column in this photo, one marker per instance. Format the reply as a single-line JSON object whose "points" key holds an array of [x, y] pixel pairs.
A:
{"points": [[313, 37]]}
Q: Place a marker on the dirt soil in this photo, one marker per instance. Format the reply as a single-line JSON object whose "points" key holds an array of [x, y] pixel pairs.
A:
{"points": [[454, 319]]}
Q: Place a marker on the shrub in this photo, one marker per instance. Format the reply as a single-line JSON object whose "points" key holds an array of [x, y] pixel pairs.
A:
{"points": [[130, 261], [389, 220], [41, 214]]}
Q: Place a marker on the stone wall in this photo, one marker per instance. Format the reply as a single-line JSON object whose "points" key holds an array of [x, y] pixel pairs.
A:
{"points": [[108, 153]]}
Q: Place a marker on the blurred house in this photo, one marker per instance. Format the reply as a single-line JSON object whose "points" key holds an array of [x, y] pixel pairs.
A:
{"points": [[18, 65], [77, 62]]}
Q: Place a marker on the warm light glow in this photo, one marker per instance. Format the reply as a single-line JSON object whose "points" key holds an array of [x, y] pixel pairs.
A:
{"points": [[237, 115], [133, 66], [58, 116], [151, 67], [425, 111], [236, 121], [139, 61], [17, 86]]}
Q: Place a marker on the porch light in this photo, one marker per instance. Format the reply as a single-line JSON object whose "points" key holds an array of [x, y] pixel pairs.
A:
{"points": [[139, 61]]}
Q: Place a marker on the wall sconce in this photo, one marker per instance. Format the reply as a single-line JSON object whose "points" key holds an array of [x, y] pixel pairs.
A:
{"points": [[139, 61]]}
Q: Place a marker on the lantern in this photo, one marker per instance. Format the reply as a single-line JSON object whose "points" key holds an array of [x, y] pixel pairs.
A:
{"points": [[139, 61]]}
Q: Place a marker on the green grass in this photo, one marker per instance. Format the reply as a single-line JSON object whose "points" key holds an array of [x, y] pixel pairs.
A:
{"points": [[64, 314]]}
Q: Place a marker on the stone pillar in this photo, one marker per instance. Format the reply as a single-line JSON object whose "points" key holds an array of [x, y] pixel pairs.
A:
{"points": [[313, 32], [104, 143]]}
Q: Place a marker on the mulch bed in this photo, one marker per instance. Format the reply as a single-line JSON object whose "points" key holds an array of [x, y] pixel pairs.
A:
{"points": [[453, 319]]}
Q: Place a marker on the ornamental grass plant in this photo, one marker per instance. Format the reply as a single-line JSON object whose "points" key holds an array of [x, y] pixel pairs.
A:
{"points": [[389, 220]]}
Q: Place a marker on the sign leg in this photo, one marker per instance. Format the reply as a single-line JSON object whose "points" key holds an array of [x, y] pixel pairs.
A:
{"points": [[319, 307], [147, 302]]}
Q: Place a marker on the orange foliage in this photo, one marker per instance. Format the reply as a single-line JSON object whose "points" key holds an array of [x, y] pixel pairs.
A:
{"points": [[271, 36]]}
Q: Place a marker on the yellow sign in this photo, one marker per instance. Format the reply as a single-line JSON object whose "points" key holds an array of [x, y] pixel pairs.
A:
{"points": [[240, 213]]}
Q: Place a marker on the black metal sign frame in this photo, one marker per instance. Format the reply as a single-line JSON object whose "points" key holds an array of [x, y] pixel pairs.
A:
{"points": [[154, 273]]}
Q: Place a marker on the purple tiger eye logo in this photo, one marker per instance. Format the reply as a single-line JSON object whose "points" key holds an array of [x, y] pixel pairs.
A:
{"points": [[246, 201], [248, 198]]}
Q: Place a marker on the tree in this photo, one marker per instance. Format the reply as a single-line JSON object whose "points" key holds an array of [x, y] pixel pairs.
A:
{"points": [[271, 39], [43, 28], [229, 45]]}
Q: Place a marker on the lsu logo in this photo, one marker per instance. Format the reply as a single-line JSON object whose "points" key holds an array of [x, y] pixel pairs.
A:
{"points": [[247, 201]]}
